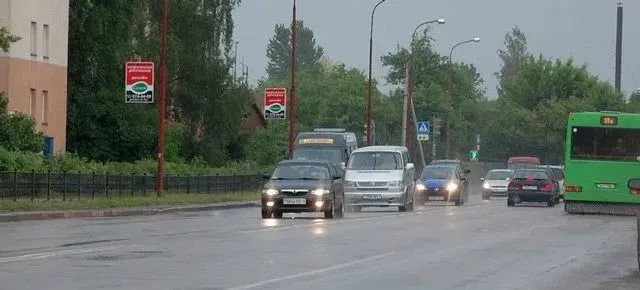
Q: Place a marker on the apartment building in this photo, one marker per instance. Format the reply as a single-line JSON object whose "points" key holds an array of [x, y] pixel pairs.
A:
{"points": [[34, 72]]}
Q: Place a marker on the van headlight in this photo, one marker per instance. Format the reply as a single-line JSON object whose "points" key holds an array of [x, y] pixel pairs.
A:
{"points": [[270, 191], [349, 184], [486, 186], [394, 184], [452, 187], [320, 192]]}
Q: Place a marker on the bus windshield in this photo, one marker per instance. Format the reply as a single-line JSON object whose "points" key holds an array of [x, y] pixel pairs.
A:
{"points": [[610, 144], [313, 153]]}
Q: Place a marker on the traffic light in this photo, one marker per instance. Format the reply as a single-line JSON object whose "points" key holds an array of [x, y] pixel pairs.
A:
{"points": [[474, 155], [364, 137]]}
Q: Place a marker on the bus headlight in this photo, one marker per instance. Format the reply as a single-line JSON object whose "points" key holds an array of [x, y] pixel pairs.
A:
{"points": [[486, 186], [320, 192], [270, 191], [452, 187]]}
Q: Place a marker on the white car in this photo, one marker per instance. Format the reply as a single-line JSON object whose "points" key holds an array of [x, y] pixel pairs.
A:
{"points": [[496, 183]]}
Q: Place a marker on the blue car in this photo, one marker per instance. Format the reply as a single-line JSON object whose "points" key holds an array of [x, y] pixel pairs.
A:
{"points": [[441, 183]]}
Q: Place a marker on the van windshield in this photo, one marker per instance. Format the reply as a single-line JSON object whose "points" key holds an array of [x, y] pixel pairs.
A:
{"points": [[516, 166], [375, 161], [498, 175], [313, 153]]}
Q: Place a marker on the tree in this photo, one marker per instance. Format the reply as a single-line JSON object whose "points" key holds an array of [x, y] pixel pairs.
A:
{"points": [[203, 99], [512, 56], [6, 39], [635, 96], [431, 72], [308, 52], [17, 130]]}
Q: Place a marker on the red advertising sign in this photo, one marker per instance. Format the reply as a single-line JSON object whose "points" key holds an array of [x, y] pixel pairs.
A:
{"points": [[139, 77], [275, 103]]}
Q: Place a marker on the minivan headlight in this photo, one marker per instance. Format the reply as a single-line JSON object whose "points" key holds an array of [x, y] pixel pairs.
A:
{"points": [[349, 184], [486, 185], [394, 183]]}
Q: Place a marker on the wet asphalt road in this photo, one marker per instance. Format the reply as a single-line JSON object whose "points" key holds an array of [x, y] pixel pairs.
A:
{"points": [[482, 245]]}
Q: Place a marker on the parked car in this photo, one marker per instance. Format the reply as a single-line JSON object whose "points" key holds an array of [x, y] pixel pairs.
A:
{"points": [[443, 183], [495, 183], [380, 176], [303, 186], [533, 185]]}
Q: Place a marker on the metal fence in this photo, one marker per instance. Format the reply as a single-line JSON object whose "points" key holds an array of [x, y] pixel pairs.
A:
{"points": [[52, 185]]}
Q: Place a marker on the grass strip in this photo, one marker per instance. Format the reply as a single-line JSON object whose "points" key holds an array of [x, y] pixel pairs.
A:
{"points": [[123, 202]]}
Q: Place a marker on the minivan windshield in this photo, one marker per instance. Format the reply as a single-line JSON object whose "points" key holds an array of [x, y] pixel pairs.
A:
{"points": [[375, 161], [437, 173], [314, 153], [498, 175], [515, 166]]}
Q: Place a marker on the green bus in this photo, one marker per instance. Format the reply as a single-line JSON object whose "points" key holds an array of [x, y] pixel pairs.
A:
{"points": [[602, 155]]}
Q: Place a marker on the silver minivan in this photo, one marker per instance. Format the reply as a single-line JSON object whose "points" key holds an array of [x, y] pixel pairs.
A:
{"points": [[379, 176]]}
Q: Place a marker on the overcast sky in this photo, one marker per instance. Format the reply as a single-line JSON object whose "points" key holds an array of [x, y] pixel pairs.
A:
{"points": [[582, 29]]}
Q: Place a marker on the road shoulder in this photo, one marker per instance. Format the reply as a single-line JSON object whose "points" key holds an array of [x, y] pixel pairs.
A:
{"points": [[119, 212]]}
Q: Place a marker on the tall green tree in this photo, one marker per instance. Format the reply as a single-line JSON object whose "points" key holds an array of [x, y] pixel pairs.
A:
{"points": [[308, 52], [431, 72], [514, 53]]}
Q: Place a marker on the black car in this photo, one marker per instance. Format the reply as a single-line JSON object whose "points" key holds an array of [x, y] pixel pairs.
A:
{"points": [[533, 185], [298, 186]]}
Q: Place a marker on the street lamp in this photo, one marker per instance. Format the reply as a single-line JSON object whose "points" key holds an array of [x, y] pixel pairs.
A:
{"points": [[449, 98], [408, 95], [368, 121]]}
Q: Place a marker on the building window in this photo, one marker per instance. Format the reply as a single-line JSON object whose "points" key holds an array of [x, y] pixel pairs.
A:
{"points": [[34, 38], [45, 107], [45, 41], [32, 103]]}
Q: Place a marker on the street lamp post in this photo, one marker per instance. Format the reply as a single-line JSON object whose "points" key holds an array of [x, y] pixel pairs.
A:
{"points": [[368, 120], [292, 110], [408, 95], [162, 102], [449, 97]]}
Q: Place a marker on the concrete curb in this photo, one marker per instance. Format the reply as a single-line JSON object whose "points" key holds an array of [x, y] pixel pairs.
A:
{"points": [[122, 212]]}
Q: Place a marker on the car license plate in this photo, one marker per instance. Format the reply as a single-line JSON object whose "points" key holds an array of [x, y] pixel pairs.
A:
{"points": [[528, 187], [436, 198], [372, 196], [294, 201]]}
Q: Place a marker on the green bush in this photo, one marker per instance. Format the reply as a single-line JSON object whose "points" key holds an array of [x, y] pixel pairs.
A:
{"points": [[65, 162]]}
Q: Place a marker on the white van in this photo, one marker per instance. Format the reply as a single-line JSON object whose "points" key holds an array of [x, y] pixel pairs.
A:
{"points": [[379, 176]]}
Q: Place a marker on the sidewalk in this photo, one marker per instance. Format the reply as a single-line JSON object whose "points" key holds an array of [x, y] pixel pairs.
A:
{"points": [[119, 212]]}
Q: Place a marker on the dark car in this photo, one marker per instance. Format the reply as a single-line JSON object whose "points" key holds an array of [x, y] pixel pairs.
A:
{"points": [[533, 185], [298, 186], [441, 182]]}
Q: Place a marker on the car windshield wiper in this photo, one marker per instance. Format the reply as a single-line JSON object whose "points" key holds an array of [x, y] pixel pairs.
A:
{"points": [[309, 178], [280, 178]]}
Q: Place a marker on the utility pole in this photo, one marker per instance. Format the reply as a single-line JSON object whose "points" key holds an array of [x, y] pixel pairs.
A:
{"points": [[618, 77], [235, 66], [292, 110], [162, 106]]}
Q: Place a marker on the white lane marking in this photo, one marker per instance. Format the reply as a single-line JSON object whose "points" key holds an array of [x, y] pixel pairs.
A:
{"points": [[282, 228], [312, 272], [45, 255]]}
